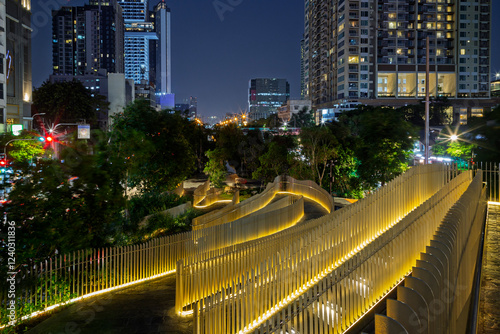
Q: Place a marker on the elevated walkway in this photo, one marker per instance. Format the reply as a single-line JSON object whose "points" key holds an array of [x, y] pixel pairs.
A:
{"points": [[489, 302]]}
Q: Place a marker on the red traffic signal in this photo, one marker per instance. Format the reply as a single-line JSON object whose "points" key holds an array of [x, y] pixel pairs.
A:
{"points": [[3, 163], [49, 139]]}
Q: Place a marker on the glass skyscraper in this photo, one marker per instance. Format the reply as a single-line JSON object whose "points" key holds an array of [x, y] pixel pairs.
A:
{"points": [[139, 31], [265, 96]]}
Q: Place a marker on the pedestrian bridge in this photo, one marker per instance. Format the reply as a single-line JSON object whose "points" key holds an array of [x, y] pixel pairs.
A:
{"points": [[419, 233], [259, 267]]}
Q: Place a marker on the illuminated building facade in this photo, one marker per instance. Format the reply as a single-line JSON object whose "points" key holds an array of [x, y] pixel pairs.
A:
{"points": [[139, 33], [15, 66], [88, 38], [377, 51], [265, 96]]}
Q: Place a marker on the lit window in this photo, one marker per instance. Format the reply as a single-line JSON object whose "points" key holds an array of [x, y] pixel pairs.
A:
{"points": [[353, 59]]}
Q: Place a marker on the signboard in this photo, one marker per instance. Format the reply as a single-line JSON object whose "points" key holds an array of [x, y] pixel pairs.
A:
{"points": [[84, 131], [16, 129]]}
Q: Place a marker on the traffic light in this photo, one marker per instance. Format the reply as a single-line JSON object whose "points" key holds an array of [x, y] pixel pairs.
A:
{"points": [[47, 139]]}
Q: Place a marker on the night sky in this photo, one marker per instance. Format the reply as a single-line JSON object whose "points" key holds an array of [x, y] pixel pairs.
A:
{"points": [[214, 56]]}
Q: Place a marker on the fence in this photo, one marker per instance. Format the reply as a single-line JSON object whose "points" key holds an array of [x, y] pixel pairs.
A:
{"points": [[435, 299], [232, 212], [340, 235], [90, 271], [274, 294]]}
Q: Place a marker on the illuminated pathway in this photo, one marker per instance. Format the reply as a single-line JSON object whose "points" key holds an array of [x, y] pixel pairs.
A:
{"points": [[144, 308]]}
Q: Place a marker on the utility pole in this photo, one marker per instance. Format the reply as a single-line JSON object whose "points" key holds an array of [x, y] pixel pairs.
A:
{"points": [[427, 102]]}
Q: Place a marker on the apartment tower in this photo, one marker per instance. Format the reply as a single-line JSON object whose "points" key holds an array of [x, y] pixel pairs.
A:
{"points": [[88, 38], [374, 52]]}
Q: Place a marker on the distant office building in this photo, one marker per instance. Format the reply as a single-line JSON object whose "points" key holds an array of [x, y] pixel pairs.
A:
{"points": [[193, 107], [113, 86], [139, 33], [374, 52], [291, 107], [88, 38], [15, 65], [265, 96], [182, 107], [145, 90]]}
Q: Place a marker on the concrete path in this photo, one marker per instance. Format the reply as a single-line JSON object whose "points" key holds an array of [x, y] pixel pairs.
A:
{"points": [[143, 308], [489, 302]]}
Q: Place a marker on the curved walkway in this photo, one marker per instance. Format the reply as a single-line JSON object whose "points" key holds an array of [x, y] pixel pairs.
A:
{"points": [[143, 308]]}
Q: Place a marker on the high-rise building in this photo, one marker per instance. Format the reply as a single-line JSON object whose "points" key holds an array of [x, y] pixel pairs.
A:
{"points": [[15, 65], [265, 96], [377, 52], [163, 49], [139, 32], [193, 107], [163, 68], [88, 38]]}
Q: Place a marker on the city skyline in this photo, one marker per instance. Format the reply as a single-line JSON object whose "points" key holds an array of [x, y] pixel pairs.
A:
{"points": [[215, 52]]}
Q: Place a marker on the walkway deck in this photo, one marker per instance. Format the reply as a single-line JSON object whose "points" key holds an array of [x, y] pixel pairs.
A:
{"points": [[489, 303], [143, 308]]}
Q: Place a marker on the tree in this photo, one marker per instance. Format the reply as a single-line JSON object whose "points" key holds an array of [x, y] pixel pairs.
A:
{"points": [[215, 167], [438, 115], [168, 158], [67, 206], [304, 118], [276, 160], [319, 146], [384, 140], [22, 150], [67, 102]]}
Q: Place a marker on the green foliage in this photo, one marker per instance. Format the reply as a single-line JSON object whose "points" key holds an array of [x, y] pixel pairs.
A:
{"points": [[22, 150], [149, 203], [158, 146], [438, 115], [459, 149], [64, 102], [304, 118], [319, 146], [59, 290], [383, 143], [161, 224], [215, 167], [276, 160], [65, 206]]}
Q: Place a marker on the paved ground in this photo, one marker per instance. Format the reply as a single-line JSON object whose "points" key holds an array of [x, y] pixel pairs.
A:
{"points": [[489, 303], [144, 308]]}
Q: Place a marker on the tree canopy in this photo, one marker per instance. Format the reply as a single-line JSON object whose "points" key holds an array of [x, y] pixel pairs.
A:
{"points": [[68, 102], [160, 152]]}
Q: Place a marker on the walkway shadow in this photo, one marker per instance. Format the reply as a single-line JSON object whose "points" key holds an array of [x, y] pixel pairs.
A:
{"points": [[145, 308]]}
